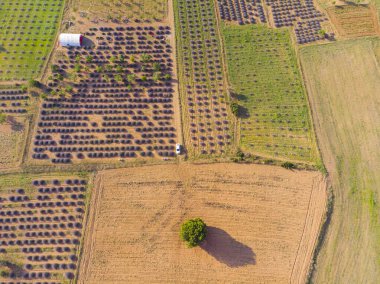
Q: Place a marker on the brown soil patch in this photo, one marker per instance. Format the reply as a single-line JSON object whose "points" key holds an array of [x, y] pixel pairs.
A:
{"points": [[354, 20], [263, 222]]}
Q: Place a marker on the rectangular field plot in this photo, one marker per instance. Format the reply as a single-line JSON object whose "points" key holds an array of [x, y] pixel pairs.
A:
{"points": [[120, 10], [14, 100], [206, 113], [27, 31], [354, 21], [112, 100], [302, 15], [265, 78], [262, 224], [40, 227], [343, 81], [13, 135]]}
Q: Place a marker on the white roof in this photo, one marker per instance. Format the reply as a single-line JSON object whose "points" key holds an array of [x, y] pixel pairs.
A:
{"points": [[70, 39]]}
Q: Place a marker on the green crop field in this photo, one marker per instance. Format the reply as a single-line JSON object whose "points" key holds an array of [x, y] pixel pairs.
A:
{"points": [[27, 32], [265, 79]]}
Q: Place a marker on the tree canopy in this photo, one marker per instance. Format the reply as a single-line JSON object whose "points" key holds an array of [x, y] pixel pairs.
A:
{"points": [[193, 232]]}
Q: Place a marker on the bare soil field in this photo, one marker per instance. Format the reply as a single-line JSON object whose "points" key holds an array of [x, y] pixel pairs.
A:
{"points": [[343, 80], [262, 222], [354, 20]]}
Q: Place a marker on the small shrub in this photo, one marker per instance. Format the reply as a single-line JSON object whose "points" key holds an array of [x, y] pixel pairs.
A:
{"points": [[34, 83], [288, 165], [156, 67], [89, 59], [69, 89], [54, 68], [235, 108], [167, 77], [322, 33], [193, 232], [156, 76]]}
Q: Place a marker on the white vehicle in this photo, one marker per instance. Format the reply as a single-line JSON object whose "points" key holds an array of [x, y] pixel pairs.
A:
{"points": [[178, 149]]}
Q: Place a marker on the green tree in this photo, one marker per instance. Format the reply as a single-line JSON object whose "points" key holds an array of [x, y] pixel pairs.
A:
{"points": [[121, 58], [288, 165], [113, 59], [59, 77], [131, 77], [235, 108], [156, 76], [77, 68], [167, 77], [144, 78], [99, 69], [156, 67], [54, 68], [193, 232], [119, 69], [118, 78], [69, 89], [322, 33], [89, 59], [77, 58], [34, 83], [145, 58]]}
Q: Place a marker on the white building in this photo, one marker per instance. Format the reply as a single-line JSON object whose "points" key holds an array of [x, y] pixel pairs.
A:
{"points": [[68, 40]]}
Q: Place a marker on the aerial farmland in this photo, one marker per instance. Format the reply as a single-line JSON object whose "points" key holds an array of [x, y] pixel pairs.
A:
{"points": [[189, 141]]}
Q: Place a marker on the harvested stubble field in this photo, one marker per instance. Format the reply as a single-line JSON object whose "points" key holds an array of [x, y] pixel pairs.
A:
{"points": [[41, 227], [343, 81], [120, 10], [27, 31], [355, 20], [265, 79], [206, 116], [262, 224]]}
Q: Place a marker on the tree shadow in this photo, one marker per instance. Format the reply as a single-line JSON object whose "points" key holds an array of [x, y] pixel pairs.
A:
{"points": [[15, 125], [243, 112], [225, 249]]}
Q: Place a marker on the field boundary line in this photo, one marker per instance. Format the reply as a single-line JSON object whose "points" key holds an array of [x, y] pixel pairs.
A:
{"points": [[220, 26], [88, 233], [320, 186]]}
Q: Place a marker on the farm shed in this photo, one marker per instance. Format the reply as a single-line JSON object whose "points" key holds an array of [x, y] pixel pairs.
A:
{"points": [[70, 40]]}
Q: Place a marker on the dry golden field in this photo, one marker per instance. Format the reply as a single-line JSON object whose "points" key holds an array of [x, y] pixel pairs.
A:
{"points": [[122, 9], [262, 222], [354, 21], [12, 141], [343, 80]]}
